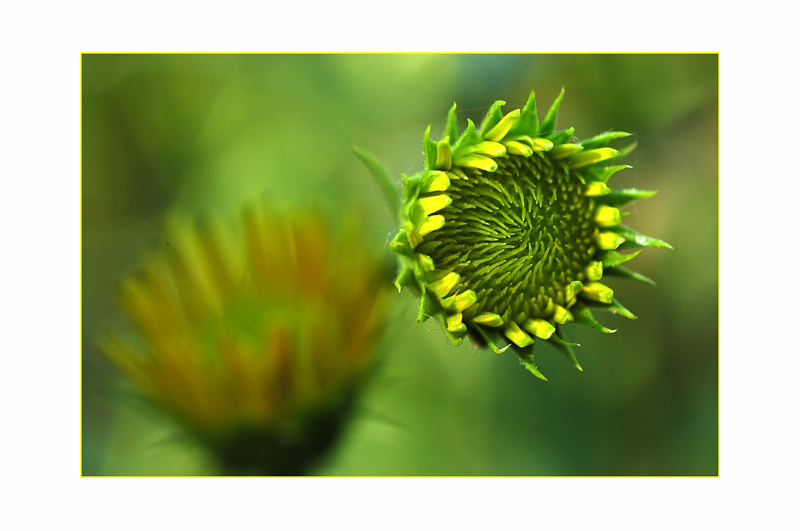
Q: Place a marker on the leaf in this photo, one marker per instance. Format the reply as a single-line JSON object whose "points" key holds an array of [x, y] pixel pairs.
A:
{"points": [[389, 188]]}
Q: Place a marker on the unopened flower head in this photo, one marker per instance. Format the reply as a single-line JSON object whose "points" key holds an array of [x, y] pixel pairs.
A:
{"points": [[256, 338], [510, 230]]}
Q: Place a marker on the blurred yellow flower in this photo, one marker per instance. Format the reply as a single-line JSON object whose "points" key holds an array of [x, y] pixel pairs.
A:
{"points": [[256, 337]]}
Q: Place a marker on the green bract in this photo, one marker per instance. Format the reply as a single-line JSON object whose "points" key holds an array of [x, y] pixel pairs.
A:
{"points": [[508, 231]]}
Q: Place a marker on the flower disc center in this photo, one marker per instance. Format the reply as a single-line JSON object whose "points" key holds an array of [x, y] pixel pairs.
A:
{"points": [[517, 236]]}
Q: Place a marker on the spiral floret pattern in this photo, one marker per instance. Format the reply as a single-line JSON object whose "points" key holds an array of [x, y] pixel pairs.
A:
{"points": [[509, 230]]}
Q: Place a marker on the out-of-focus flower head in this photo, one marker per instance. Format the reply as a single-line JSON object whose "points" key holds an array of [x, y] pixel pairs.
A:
{"points": [[257, 337]]}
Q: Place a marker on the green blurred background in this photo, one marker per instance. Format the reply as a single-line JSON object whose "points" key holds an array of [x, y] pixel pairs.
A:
{"points": [[205, 133]]}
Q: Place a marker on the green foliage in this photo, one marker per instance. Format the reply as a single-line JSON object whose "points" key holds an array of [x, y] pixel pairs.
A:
{"points": [[203, 133]]}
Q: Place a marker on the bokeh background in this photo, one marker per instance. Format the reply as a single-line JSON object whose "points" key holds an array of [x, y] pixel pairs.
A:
{"points": [[203, 134]]}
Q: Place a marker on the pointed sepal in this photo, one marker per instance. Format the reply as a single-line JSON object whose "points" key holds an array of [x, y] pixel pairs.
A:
{"points": [[627, 150], [470, 137], [456, 338], [493, 116], [619, 309], [603, 174], [500, 130], [583, 316], [548, 124], [639, 240], [565, 347], [428, 306], [562, 137], [562, 151], [529, 363], [614, 307], [613, 258], [406, 279], [490, 340], [429, 149], [400, 245], [603, 138], [451, 130], [624, 272], [528, 122], [626, 195]]}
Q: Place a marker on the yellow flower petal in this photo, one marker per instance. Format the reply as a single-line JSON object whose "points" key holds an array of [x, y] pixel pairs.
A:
{"points": [[607, 216], [488, 319], [492, 149], [598, 292], [518, 148], [429, 225], [426, 262], [454, 323], [573, 289], [436, 181], [607, 240], [460, 302], [434, 203], [565, 150], [562, 315], [540, 328], [541, 144], [592, 156], [443, 154], [517, 336], [596, 189], [476, 161], [445, 285], [497, 132], [594, 271]]}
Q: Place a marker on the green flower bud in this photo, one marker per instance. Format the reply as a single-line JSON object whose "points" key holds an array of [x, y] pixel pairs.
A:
{"points": [[520, 235]]}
